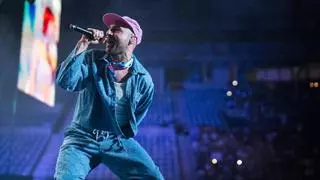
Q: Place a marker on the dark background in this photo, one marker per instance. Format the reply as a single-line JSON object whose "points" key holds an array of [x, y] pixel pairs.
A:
{"points": [[194, 50]]}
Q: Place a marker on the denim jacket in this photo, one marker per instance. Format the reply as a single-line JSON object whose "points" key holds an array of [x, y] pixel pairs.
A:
{"points": [[86, 73]]}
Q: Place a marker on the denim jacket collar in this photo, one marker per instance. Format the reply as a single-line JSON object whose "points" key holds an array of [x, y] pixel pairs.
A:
{"points": [[137, 67]]}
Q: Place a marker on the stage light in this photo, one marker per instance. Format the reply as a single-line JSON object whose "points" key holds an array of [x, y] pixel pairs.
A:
{"points": [[311, 84], [229, 93], [235, 83], [214, 161], [239, 162], [316, 84]]}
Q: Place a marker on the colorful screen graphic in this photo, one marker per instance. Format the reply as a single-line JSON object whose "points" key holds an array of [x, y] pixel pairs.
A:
{"points": [[38, 55]]}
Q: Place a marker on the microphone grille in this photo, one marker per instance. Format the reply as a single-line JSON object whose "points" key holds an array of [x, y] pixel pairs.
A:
{"points": [[71, 26]]}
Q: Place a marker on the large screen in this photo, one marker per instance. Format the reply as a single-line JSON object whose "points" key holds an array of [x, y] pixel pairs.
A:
{"points": [[38, 53]]}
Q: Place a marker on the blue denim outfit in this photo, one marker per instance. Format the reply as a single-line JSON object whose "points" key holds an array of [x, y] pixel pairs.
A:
{"points": [[94, 135]]}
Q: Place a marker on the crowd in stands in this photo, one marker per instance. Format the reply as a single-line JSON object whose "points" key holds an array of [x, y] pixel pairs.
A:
{"points": [[270, 139]]}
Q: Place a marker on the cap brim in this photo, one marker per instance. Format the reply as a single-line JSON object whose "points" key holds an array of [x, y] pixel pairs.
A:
{"points": [[112, 18]]}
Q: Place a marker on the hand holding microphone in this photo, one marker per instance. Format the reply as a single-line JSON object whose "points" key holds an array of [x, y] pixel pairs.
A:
{"points": [[90, 35]]}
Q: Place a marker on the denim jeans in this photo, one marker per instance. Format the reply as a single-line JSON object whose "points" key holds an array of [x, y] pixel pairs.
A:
{"points": [[82, 150]]}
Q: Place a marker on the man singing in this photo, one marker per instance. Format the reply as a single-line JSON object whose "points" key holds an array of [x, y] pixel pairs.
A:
{"points": [[115, 92]]}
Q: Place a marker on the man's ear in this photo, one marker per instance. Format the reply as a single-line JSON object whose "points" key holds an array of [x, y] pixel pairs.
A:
{"points": [[133, 40]]}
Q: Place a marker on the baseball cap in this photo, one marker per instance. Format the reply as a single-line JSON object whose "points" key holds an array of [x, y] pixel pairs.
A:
{"points": [[133, 25]]}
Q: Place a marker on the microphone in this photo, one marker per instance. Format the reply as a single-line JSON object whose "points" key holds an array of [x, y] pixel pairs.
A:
{"points": [[83, 31]]}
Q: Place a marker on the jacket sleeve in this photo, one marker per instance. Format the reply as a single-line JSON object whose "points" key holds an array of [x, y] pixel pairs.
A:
{"points": [[73, 72], [144, 103]]}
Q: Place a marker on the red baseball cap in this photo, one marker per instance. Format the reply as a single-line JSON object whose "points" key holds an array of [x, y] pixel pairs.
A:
{"points": [[133, 25]]}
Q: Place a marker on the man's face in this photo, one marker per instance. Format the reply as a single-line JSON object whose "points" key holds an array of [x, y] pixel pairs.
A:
{"points": [[117, 39]]}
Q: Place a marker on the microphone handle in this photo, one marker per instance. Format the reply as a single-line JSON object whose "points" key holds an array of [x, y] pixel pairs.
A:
{"points": [[85, 32]]}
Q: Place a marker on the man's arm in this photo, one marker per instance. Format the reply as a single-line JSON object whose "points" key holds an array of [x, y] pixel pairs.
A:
{"points": [[72, 73], [144, 103]]}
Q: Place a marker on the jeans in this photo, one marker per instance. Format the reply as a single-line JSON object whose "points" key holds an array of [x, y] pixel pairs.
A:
{"points": [[81, 151]]}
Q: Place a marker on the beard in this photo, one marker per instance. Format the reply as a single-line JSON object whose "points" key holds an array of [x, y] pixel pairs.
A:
{"points": [[115, 49]]}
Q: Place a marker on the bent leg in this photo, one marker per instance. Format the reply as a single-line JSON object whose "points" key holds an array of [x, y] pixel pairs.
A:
{"points": [[132, 162], [74, 161]]}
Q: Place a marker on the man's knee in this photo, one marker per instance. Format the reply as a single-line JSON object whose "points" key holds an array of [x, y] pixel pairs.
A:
{"points": [[156, 174], [72, 164], [140, 172], [152, 173]]}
